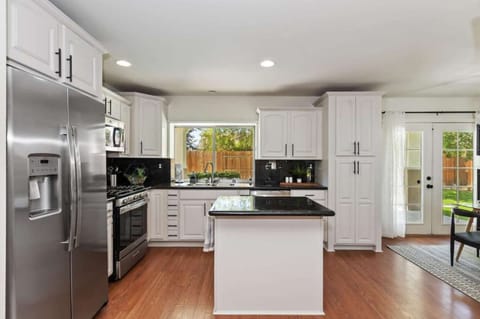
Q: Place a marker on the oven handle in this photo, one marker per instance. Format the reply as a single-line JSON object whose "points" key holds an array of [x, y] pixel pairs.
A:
{"points": [[133, 206]]}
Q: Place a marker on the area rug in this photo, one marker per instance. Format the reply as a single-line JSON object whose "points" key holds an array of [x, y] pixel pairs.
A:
{"points": [[463, 276]]}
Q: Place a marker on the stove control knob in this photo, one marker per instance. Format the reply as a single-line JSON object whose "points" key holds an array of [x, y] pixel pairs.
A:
{"points": [[124, 201]]}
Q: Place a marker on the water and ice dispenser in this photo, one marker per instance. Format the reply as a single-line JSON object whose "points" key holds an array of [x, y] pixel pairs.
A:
{"points": [[44, 185]]}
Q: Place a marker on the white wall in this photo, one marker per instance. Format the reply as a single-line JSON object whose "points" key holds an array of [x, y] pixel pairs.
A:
{"points": [[233, 109], [412, 104], [3, 165]]}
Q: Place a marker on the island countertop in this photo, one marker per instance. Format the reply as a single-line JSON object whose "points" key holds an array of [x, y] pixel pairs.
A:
{"points": [[268, 206]]}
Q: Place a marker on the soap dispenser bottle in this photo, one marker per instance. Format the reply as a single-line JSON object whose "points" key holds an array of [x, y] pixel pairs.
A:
{"points": [[309, 173]]}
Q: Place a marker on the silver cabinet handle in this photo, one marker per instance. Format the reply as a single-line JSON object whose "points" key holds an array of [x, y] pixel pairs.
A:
{"points": [[141, 147], [358, 167], [78, 178], [293, 152], [204, 209], [285, 149], [354, 148], [354, 168], [358, 148]]}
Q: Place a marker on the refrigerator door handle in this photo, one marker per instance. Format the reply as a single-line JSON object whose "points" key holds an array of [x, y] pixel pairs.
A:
{"points": [[71, 164], [78, 181]]}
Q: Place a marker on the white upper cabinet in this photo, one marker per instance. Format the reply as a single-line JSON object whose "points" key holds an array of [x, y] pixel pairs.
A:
{"points": [[148, 123], [33, 37], [356, 119], [45, 40], [303, 134], [289, 134], [83, 63], [113, 104], [273, 134]]}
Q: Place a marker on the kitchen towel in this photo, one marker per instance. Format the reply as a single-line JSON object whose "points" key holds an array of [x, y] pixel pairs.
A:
{"points": [[209, 242]]}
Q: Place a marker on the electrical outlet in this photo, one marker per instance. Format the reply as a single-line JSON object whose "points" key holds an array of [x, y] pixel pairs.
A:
{"points": [[159, 165]]}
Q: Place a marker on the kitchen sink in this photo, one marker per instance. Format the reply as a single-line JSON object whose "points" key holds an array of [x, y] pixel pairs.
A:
{"points": [[214, 185]]}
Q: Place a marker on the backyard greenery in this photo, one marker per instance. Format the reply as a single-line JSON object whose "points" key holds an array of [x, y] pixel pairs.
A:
{"points": [[465, 200]]}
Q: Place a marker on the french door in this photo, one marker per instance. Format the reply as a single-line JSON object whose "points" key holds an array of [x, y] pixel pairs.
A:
{"points": [[438, 175]]}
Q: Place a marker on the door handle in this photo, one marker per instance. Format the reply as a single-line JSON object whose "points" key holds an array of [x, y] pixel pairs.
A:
{"points": [[105, 102], [429, 186], [293, 152], [358, 148], [204, 209], [285, 149], [59, 53], [354, 168], [78, 178], [354, 148], [358, 167], [141, 147], [70, 60], [110, 102], [73, 189]]}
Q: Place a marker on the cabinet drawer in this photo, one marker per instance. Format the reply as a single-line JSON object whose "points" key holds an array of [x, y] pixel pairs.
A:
{"points": [[198, 194], [313, 194], [172, 221], [172, 213]]}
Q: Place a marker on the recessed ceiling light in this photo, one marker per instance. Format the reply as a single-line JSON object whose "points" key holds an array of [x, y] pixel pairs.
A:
{"points": [[267, 63], [124, 63]]}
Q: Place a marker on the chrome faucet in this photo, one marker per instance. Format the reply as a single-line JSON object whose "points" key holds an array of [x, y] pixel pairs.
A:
{"points": [[211, 179]]}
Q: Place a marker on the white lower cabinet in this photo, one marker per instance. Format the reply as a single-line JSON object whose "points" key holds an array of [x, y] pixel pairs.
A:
{"points": [[192, 219], [355, 201], [180, 215], [157, 215]]}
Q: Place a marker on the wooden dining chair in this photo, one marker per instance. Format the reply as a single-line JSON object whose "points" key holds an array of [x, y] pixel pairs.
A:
{"points": [[469, 238]]}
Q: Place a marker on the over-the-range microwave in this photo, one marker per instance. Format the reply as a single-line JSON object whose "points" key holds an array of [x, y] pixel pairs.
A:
{"points": [[114, 135]]}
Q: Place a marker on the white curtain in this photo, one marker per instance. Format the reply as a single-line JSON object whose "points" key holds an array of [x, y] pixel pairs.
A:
{"points": [[393, 191]]}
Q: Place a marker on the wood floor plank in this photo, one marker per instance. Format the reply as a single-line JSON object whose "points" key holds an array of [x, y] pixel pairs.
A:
{"points": [[171, 283]]}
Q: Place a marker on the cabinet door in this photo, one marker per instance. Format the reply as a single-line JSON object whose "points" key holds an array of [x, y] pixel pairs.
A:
{"points": [[125, 118], [303, 134], [345, 126], [115, 108], [365, 199], [368, 113], [82, 63], [192, 219], [149, 127], [345, 201], [33, 37], [157, 215], [273, 134]]}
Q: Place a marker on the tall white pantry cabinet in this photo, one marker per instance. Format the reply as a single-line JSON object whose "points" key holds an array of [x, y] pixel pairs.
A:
{"points": [[352, 134]]}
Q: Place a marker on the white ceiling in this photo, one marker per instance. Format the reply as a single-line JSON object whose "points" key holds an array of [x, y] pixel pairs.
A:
{"points": [[188, 47]]}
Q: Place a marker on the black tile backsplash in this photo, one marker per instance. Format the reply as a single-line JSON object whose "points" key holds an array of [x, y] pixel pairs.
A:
{"points": [[265, 175], [157, 169]]}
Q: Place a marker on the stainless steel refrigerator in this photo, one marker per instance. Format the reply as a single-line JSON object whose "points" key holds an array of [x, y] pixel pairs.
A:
{"points": [[56, 217]]}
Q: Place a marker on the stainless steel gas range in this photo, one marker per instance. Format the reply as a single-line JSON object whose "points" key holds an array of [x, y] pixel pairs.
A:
{"points": [[129, 227]]}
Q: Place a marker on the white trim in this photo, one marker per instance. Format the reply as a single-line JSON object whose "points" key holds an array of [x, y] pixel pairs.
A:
{"points": [[3, 156], [130, 95], [175, 244], [440, 118]]}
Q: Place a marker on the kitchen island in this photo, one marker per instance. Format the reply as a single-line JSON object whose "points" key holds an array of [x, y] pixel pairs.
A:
{"points": [[268, 255]]}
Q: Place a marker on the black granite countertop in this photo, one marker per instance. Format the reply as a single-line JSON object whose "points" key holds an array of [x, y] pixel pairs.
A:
{"points": [[267, 206], [240, 186]]}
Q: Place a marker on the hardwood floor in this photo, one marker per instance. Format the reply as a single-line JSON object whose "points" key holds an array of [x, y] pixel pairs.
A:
{"points": [[178, 283]]}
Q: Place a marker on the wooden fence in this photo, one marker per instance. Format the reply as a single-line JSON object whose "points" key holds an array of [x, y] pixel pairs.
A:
{"points": [[450, 171], [238, 161]]}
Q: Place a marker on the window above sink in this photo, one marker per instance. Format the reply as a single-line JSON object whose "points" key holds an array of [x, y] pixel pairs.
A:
{"points": [[228, 148]]}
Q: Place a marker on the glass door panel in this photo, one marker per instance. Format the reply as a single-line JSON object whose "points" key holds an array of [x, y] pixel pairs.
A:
{"points": [[417, 168], [453, 171]]}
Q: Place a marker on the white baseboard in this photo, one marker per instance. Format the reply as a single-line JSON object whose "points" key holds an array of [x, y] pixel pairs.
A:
{"points": [[175, 244]]}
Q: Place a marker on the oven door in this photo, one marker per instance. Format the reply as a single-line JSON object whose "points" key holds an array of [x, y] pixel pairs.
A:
{"points": [[132, 228]]}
